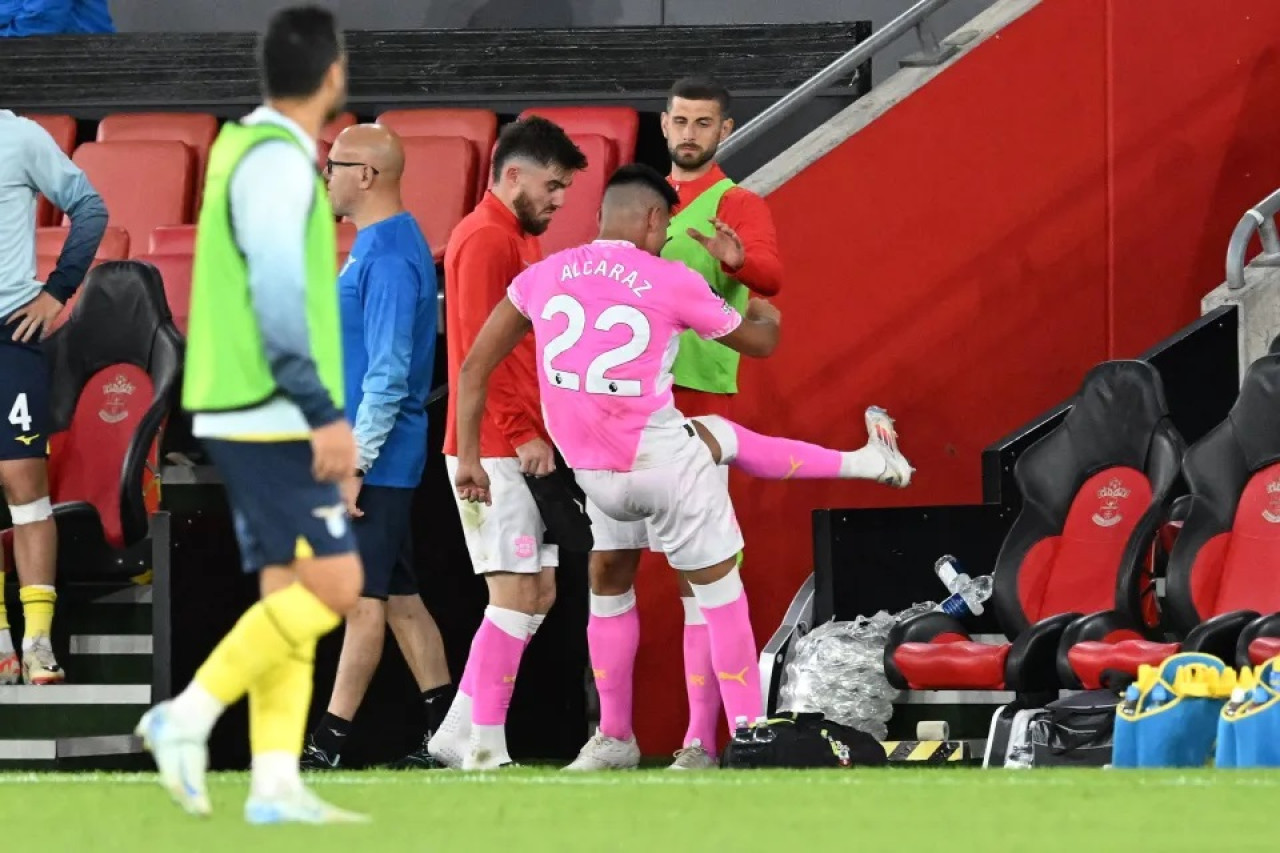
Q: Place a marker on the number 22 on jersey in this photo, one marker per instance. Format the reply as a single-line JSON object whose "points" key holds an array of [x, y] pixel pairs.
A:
{"points": [[618, 357]]}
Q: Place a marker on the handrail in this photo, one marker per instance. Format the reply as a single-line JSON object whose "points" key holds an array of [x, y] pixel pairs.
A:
{"points": [[809, 89], [1262, 219]]}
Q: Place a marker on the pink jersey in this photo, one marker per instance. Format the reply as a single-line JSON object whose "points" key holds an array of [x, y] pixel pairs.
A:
{"points": [[607, 318]]}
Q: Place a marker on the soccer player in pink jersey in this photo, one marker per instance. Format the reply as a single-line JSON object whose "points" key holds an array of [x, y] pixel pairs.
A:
{"points": [[606, 318]]}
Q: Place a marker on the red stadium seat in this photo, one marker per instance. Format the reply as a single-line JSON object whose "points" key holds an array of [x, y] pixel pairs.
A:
{"points": [[181, 239], [195, 130], [439, 177], [478, 126], [1094, 492], [175, 273], [63, 130], [578, 221], [173, 240], [620, 125], [331, 130], [114, 247], [144, 184]]}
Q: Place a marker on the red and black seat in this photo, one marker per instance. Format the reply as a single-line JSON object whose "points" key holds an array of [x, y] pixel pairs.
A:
{"points": [[114, 367], [1224, 569], [1094, 491]]}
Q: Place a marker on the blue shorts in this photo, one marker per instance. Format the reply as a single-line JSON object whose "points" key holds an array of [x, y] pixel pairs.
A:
{"points": [[386, 542], [282, 514], [24, 399]]}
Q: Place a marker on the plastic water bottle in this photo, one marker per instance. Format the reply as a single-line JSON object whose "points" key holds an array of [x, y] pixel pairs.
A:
{"points": [[741, 732], [973, 591], [762, 732]]}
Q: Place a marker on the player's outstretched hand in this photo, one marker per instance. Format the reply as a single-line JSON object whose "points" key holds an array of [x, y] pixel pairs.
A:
{"points": [[762, 309], [333, 452], [36, 317], [472, 482], [536, 458], [724, 244]]}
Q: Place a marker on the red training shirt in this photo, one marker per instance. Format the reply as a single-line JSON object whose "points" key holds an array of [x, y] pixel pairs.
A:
{"points": [[486, 251], [748, 215]]}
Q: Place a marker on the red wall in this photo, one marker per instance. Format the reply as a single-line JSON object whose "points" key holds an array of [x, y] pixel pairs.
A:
{"points": [[1062, 195]]}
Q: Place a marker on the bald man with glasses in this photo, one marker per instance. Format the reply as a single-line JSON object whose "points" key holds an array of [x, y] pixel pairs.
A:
{"points": [[387, 291]]}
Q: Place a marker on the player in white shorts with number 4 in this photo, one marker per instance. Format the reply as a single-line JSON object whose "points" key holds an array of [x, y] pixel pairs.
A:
{"points": [[606, 318]]}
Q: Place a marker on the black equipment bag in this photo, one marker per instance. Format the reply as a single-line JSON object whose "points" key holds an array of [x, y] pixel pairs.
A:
{"points": [[802, 740], [1075, 731]]}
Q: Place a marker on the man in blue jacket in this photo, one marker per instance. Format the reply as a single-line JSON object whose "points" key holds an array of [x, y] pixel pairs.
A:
{"points": [[388, 298], [54, 17]]}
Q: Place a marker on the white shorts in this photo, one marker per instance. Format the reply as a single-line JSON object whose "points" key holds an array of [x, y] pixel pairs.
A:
{"points": [[681, 509], [508, 535]]}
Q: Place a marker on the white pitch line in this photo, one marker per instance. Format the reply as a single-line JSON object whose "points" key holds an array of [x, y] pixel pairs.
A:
{"points": [[904, 777]]}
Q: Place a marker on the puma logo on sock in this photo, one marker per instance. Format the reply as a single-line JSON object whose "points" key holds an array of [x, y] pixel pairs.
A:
{"points": [[740, 677]]}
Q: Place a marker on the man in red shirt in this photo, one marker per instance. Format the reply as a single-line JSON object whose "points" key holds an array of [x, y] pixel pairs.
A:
{"points": [[533, 165], [726, 234]]}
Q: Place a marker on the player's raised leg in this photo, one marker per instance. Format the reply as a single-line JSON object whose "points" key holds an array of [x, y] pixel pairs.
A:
{"points": [[772, 458]]}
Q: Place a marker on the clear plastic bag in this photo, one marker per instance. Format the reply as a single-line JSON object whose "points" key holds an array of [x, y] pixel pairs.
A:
{"points": [[838, 670]]}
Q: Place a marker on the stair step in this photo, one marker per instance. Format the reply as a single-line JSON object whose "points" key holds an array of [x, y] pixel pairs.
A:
{"points": [[71, 710]]}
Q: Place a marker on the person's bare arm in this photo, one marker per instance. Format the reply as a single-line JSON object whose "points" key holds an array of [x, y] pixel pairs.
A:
{"points": [[757, 335], [500, 334]]}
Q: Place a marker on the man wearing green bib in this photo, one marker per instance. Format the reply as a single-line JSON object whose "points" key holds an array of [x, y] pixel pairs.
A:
{"points": [[726, 234], [264, 381]]}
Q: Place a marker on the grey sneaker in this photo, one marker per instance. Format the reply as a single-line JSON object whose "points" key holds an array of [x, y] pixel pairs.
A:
{"points": [[693, 757]]}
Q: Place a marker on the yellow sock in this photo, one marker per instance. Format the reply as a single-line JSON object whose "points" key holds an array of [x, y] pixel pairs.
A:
{"points": [[278, 704], [4, 608], [37, 610], [284, 623]]}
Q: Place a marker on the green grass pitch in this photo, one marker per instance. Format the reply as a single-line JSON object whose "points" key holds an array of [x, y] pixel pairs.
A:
{"points": [[948, 810]]}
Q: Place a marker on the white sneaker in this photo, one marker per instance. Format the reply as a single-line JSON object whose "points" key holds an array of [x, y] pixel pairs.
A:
{"points": [[882, 436], [693, 757], [299, 805], [449, 748], [180, 757], [607, 753]]}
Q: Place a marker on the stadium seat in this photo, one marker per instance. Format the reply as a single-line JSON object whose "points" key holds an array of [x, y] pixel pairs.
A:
{"points": [[63, 130], [331, 130], [114, 368], [172, 240], [144, 184], [175, 278], [620, 125], [195, 130], [114, 247], [1224, 569], [478, 126], [578, 221], [439, 177], [1094, 491]]}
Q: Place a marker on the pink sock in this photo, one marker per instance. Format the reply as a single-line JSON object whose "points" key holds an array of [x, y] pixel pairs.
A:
{"points": [[733, 646], [772, 458], [496, 654], [467, 684], [613, 638], [699, 680]]}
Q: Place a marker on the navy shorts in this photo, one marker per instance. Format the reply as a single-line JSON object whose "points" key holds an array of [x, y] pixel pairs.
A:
{"points": [[24, 399], [386, 542], [281, 512]]}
